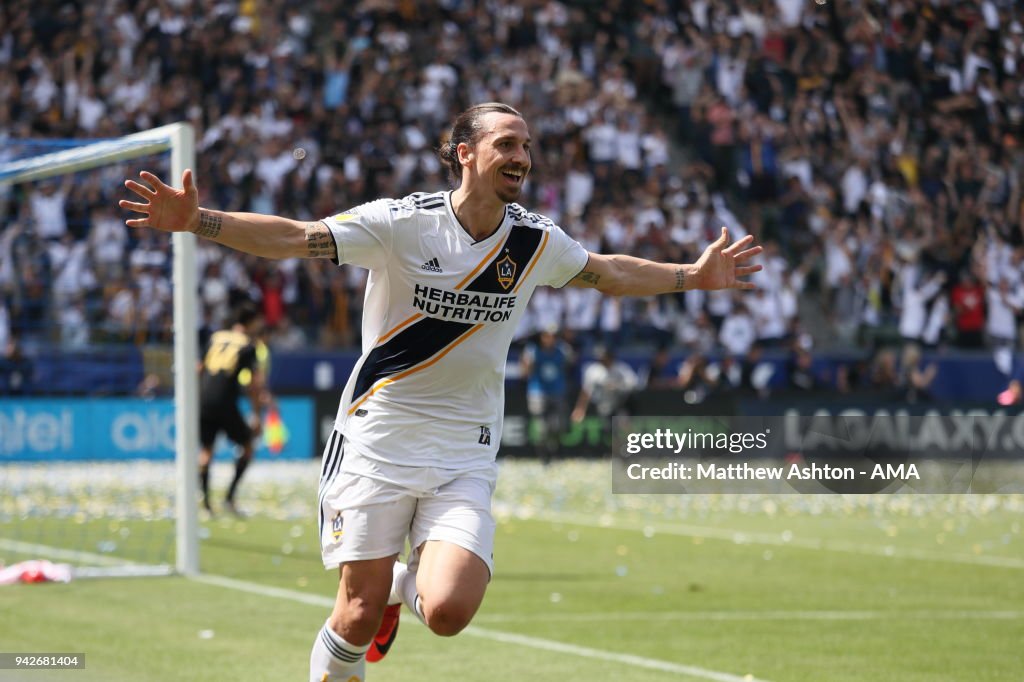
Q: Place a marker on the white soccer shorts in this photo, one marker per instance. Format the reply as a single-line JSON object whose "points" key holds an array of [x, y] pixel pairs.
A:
{"points": [[364, 517]]}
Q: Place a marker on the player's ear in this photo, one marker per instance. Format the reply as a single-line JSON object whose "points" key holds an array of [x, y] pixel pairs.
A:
{"points": [[464, 153]]}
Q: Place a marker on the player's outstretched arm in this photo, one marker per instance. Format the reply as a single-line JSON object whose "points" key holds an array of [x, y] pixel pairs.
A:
{"points": [[177, 210], [721, 266]]}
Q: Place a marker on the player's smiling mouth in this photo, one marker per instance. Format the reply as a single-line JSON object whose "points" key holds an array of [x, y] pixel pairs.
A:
{"points": [[514, 174]]}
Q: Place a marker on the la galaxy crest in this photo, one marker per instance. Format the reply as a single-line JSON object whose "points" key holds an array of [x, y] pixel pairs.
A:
{"points": [[336, 526], [506, 271]]}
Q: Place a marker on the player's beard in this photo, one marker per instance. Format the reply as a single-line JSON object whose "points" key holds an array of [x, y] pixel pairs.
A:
{"points": [[509, 194]]}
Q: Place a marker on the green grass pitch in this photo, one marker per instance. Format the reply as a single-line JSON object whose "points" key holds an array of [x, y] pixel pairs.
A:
{"points": [[589, 586]]}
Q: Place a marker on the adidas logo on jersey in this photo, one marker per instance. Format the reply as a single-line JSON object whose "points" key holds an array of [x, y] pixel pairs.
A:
{"points": [[432, 266]]}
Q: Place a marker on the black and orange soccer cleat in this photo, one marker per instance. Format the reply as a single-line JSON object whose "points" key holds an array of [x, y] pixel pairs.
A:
{"points": [[385, 635]]}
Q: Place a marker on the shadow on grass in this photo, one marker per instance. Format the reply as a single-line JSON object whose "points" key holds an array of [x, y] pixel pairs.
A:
{"points": [[501, 576]]}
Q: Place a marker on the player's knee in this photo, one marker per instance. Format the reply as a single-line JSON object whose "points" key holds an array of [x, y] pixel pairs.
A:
{"points": [[357, 623], [448, 618]]}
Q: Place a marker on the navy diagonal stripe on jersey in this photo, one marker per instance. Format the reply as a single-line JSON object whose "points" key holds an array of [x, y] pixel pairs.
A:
{"points": [[520, 246], [418, 342]]}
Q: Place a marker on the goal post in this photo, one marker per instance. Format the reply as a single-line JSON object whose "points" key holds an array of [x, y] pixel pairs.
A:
{"points": [[186, 394], [179, 140]]}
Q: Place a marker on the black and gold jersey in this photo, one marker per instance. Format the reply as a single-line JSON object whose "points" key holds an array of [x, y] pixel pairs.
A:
{"points": [[229, 354]]}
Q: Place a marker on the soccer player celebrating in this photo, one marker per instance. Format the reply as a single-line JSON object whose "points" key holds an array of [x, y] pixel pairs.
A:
{"points": [[413, 451]]}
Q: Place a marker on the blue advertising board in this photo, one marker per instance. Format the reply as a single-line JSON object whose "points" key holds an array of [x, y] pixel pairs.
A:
{"points": [[55, 429]]}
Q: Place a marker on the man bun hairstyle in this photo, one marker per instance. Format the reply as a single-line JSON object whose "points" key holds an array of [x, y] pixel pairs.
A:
{"points": [[467, 128]]}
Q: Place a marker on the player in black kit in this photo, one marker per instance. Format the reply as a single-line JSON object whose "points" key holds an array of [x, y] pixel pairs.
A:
{"points": [[229, 364]]}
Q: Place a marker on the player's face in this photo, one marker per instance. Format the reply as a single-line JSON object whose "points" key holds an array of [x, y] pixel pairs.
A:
{"points": [[503, 155]]}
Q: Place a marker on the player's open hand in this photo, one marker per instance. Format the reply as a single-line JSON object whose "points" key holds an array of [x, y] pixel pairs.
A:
{"points": [[164, 207], [722, 265]]}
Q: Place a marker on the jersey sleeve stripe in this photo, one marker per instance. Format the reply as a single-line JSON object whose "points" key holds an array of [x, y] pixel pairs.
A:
{"points": [[416, 368], [399, 326], [481, 264], [533, 261]]}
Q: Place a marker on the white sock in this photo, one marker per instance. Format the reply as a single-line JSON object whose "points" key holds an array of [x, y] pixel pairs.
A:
{"points": [[405, 589], [397, 570], [335, 660]]}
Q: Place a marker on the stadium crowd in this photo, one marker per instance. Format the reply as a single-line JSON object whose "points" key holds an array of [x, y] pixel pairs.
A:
{"points": [[873, 146]]}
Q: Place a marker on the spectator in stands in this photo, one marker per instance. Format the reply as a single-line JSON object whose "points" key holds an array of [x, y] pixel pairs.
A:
{"points": [[801, 373], [738, 332], [545, 366], [661, 372], [108, 241], [769, 318], [1005, 301], [697, 334], [608, 385], [880, 125], [884, 372], [15, 368], [287, 336], [917, 290], [122, 311], [49, 210], [74, 325], [917, 377], [968, 298], [696, 378]]}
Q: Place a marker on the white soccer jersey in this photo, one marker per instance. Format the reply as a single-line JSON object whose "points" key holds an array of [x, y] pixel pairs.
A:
{"points": [[439, 316]]}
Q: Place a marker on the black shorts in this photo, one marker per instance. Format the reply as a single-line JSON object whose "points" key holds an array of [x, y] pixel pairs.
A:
{"points": [[227, 419]]}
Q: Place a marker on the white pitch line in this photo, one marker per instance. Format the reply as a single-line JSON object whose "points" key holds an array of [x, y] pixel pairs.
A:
{"points": [[98, 565], [61, 554], [691, 671], [587, 652], [263, 590], [774, 540], [704, 616]]}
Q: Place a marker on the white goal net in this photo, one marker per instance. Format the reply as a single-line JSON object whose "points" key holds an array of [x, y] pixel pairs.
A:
{"points": [[97, 361]]}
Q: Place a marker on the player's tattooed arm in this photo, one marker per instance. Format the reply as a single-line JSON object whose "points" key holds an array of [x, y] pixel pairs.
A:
{"points": [[162, 207], [319, 242], [621, 275], [266, 235], [721, 266], [586, 279], [209, 224]]}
